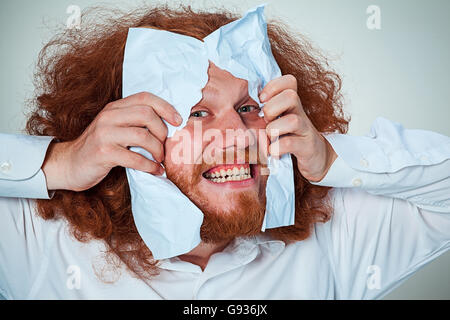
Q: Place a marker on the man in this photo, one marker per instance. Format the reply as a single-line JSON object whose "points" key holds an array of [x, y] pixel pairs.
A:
{"points": [[387, 215]]}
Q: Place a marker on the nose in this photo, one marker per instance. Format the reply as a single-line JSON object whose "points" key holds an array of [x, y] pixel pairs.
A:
{"points": [[235, 133]]}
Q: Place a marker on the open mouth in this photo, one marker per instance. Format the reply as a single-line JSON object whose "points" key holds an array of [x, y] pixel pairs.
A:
{"points": [[230, 173]]}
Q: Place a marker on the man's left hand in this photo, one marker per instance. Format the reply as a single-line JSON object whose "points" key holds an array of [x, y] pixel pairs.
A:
{"points": [[286, 120]]}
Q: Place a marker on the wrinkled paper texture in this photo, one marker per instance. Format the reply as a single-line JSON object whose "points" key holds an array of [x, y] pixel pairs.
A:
{"points": [[175, 68]]}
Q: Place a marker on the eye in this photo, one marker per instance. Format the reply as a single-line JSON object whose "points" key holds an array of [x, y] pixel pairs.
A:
{"points": [[199, 114], [247, 108]]}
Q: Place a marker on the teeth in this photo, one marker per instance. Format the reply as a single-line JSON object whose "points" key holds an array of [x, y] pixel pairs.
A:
{"points": [[235, 174], [231, 178]]}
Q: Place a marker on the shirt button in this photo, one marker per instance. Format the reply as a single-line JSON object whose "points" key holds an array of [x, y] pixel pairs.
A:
{"points": [[357, 182], [364, 162], [423, 158], [5, 167]]}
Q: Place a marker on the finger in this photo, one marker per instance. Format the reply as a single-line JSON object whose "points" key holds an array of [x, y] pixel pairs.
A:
{"points": [[139, 116], [139, 137], [284, 145], [164, 109], [284, 102], [129, 159], [288, 124], [277, 85]]}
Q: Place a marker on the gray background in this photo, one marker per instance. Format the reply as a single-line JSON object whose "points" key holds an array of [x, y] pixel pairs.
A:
{"points": [[400, 72]]}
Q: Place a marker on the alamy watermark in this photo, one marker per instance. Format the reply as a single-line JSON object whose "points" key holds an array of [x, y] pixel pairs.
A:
{"points": [[374, 278], [209, 146], [374, 19], [73, 281], [74, 19]]}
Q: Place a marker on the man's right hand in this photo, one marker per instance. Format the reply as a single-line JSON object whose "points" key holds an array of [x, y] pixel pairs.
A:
{"points": [[82, 163]]}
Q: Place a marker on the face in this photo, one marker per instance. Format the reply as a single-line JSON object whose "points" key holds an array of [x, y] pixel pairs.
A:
{"points": [[216, 160]]}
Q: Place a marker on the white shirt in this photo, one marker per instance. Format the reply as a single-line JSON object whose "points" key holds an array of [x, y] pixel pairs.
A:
{"points": [[391, 201]]}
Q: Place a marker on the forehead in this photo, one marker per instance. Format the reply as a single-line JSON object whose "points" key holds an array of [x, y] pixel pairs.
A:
{"points": [[222, 84]]}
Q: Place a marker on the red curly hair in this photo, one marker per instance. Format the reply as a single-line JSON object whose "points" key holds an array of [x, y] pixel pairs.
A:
{"points": [[80, 71]]}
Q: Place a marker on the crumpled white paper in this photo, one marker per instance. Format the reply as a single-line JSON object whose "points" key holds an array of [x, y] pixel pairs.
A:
{"points": [[175, 68]]}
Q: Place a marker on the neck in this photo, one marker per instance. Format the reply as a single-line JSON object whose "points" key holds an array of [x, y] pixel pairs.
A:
{"points": [[200, 254]]}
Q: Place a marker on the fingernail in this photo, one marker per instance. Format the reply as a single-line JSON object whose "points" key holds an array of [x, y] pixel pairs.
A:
{"points": [[177, 118], [262, 97]]}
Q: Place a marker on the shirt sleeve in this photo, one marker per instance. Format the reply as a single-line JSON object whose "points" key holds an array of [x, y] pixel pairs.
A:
{"points": [[21, 159], [392, 161], [391, 207]]}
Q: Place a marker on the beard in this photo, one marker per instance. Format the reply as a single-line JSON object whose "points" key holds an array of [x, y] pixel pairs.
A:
{"points": [[245, 218]]}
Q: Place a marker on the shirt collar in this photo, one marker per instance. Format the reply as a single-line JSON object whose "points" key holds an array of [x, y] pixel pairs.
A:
{"points": [[240, 251]]}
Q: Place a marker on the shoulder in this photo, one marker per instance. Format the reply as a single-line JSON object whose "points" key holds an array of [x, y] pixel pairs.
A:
{"points": [[23, 240], [357, 212], [19, 217]]}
